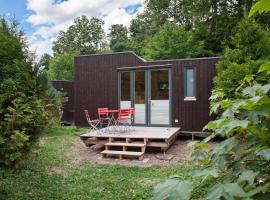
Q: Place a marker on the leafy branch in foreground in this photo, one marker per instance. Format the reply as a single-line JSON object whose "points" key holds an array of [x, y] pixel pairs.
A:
{"points": [[240, 165]]}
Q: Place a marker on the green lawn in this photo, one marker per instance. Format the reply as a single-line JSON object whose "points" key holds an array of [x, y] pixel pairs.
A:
{"points": [[84, 181]]}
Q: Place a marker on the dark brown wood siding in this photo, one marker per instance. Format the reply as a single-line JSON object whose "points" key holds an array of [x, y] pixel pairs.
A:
{"points": [[191, 115], [96, 82], [66, 87], [96, 86]]}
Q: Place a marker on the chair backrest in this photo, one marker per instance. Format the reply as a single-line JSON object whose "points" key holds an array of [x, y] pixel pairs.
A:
{"points": [[103, 112], [124, 112], [87, 116], [132, 111]]}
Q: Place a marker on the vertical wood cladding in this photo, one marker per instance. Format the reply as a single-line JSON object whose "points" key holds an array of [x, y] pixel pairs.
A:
{"points": [[68, 109], [96, 86]]}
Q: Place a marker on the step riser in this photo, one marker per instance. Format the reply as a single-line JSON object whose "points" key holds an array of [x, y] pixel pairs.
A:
{"points": [[124, 153], [125, 145]]}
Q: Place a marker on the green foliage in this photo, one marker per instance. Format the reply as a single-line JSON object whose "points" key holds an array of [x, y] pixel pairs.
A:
{"points": [[37, 179], [227, 190], [44, 61], [212, 22], [61, 67], [27, 104], [240, 164], [250, 48], [173, 188], [260, 7], [85, 35], [118, 38], [172, 42]]}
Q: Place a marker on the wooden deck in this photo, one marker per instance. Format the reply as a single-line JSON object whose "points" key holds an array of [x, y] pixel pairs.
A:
{"points": [[140, 138]]}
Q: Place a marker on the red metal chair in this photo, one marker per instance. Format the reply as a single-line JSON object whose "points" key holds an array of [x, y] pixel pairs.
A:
{"points": [[123, 119], [94, 123], [132, 113], [104, 118]]}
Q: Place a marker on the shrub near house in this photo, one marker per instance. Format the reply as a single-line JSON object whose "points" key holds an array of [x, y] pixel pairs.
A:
{"points": [[27, 103], [238, 168]]}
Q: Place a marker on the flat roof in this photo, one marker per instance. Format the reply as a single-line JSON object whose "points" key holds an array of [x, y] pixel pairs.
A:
{"points": [[146, 61]]}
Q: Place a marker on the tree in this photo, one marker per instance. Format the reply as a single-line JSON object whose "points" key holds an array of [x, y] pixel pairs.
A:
{"points": [[12, 44], [85, 35], [139, 29], [61, 66], [44, 61], [27, 102], [212, 21], [237, 168], [172, 42], [249, 49], [118, 38]]}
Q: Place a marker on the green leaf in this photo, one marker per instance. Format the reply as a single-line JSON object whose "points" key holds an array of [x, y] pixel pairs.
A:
{"points": [[213, 125], [260, 7], [206, 173], [199, 155], [265, 89], [265, 67], [217, 94], [234, 125], [254, 116], [265, 153], [214, 107], [173, 189], [249, 78], [248, 176], [228, 191], [219, 161], [261, 188], [225, 146]]}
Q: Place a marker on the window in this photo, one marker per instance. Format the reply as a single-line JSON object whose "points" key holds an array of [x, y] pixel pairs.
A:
{"points": [[125, 98], [190, 84]]}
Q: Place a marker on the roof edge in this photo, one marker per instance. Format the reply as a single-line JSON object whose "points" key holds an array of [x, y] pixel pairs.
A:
{"points": [[143, 60], [181, 59], [113, 53], [62, 81]]}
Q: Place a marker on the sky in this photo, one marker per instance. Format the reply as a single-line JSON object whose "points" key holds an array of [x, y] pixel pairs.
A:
{"points": [[42, 20]]}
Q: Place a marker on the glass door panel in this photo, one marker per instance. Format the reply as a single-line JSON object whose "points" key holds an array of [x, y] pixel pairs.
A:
{"points": [[160, 97], [125, 97], [139, 97]]}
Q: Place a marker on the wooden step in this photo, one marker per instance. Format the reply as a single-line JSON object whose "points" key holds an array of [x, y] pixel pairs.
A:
{"points": [[123, 144], [124, 153]]}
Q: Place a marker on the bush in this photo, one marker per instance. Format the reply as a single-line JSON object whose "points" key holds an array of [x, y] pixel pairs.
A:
{"points": [[28, 104], [249, 49]]}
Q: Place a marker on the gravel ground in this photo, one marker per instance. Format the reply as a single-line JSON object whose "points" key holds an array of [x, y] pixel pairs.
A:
{"points": [[179, 149]]}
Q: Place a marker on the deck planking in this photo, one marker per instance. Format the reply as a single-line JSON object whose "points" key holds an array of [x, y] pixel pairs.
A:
{"points": [[138, 132]]}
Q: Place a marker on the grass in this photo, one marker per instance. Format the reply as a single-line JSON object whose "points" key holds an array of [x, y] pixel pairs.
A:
{"points": [[85, 181]]}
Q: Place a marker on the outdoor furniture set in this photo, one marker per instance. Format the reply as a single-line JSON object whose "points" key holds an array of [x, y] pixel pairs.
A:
{"points": [[111, 120]]}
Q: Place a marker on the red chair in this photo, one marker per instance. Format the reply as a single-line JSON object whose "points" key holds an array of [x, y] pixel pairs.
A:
{"points": [[104, 118], [132, 113], [94, 123], [123, 119]]}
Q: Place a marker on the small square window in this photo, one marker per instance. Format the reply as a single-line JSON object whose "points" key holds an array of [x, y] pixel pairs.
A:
{"points": [[190, 84]]}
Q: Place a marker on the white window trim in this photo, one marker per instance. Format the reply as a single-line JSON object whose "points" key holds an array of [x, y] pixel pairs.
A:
{"points": [[190, 99]]}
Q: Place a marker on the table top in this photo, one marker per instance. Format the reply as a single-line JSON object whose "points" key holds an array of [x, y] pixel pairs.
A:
{"points": [[113, 111]]}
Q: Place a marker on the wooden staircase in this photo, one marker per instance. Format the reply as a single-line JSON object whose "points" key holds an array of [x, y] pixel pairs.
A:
{"points": [[125, 149]]}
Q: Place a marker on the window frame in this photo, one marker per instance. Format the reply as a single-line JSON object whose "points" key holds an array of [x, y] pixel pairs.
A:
{"points": [[194, 97]]}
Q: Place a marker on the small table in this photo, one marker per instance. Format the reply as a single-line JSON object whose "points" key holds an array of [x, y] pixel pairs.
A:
{"points": [[112, 113], [112, 118]]}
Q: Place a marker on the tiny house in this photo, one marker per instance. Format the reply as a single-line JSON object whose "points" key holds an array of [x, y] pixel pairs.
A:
{"points": [[164, 92]]}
